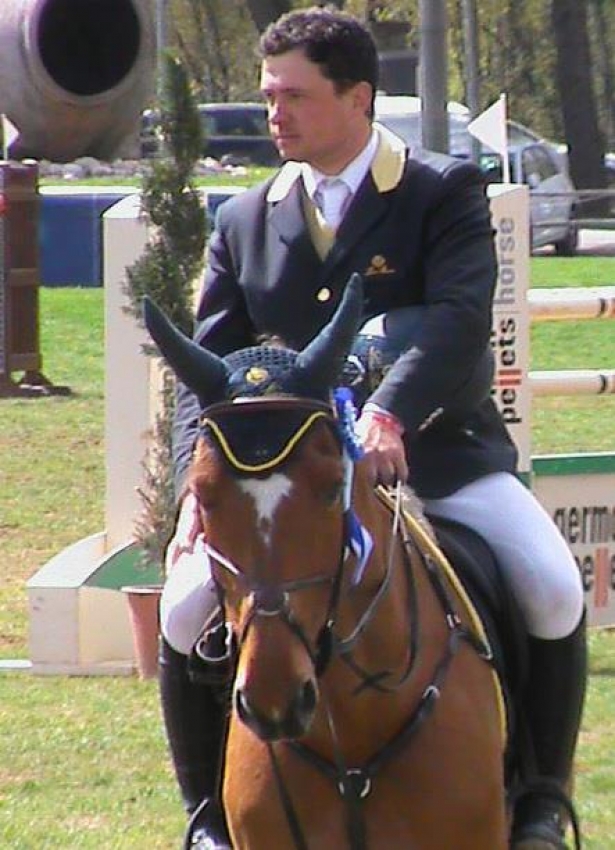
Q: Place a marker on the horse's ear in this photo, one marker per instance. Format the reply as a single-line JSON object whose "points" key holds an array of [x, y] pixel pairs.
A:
{"points": [[320, 363], [200, 370]]}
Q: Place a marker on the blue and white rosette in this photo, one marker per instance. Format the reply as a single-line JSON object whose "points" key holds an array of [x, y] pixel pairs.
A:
{"points": [[357, 538]]}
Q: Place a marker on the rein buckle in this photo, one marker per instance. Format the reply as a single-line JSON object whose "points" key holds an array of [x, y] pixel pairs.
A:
{"points": [[356, 781]]}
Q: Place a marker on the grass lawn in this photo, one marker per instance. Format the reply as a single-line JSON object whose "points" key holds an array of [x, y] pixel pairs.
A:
{"points": [[82, 761]]}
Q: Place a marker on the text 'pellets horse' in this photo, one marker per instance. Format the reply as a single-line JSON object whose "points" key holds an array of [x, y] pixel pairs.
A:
{"points": [[364, 712]]}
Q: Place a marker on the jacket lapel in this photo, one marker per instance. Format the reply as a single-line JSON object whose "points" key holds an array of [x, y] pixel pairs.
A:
{"points": [[285, 216], [373, 197], [368, 207]]}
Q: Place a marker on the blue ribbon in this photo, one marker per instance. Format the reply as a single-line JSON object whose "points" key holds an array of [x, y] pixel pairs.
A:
{"points": [[360, 543], [346, 415], [357, 538]]}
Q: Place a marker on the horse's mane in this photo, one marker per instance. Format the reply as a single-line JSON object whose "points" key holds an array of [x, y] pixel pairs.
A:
{"points": [[271, 341]]}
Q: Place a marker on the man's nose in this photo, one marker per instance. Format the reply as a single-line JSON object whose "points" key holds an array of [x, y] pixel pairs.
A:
{"points": [[275, 112]]}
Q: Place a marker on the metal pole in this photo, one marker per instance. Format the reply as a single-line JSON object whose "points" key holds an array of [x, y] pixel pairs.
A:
{"points": [[472, 74], [433, 73]]}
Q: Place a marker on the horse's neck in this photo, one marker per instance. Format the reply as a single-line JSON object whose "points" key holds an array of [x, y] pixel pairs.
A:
{"points": [[383, 646], [395, 576]]}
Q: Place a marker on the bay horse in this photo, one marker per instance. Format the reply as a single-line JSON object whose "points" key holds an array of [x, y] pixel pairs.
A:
{"points": [[364, 713]]}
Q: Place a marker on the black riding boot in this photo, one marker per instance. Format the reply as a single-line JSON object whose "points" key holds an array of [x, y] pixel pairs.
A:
{"points": [[195, 720], [554, 705]]}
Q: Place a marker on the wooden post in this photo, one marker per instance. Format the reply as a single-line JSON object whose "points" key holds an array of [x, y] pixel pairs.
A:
{"points": [[19, 283], [19, 331]]}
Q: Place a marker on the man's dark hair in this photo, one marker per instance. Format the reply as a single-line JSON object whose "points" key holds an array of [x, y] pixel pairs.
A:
{"points": [[339, 43]]}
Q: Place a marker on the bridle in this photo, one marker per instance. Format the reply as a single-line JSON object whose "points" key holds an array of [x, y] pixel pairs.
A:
{"points": [[266, 599], [274, 599]]}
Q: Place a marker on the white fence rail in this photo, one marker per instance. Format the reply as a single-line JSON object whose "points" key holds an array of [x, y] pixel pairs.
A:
{"points": [[565, 304]]}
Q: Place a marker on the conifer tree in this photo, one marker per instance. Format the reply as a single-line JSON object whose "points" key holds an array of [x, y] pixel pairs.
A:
{"points": [[166, 272]]}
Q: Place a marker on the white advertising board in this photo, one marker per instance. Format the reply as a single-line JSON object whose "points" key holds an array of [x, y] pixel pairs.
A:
{"points": [[579, 493], [510, 335]]}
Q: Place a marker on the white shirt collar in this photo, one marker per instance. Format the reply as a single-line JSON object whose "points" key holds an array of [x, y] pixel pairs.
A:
{"points": [[353, 175], [386, 162]]}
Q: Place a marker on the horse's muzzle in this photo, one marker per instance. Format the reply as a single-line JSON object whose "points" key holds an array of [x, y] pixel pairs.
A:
{"points": [[295, 721]]}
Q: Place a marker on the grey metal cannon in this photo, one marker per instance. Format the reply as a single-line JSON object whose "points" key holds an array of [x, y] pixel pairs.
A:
{"points": [[75, 74]]}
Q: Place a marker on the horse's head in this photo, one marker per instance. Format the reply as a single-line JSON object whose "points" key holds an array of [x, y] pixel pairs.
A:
{"points": [[268, 471]]}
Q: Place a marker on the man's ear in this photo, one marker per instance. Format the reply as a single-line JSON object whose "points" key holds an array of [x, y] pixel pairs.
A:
{"points": [[362, 94]]}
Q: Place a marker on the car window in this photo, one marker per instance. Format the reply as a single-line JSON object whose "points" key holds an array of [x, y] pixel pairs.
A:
{"points": [[493, 168], [519, 135], [537, 165], [546, 166], [235, 122]]}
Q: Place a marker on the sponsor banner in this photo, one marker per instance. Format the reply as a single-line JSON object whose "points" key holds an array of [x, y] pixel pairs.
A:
{"points": [[582, 505], [510, 336]]}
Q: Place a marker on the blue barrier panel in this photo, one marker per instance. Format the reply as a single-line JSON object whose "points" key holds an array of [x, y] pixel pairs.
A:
{"points": [[70, 230], [70, 233]]}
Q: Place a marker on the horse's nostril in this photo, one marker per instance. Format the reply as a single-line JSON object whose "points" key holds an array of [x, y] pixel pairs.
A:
{"points": [[241, 707], [291, 723], [307, 698]]}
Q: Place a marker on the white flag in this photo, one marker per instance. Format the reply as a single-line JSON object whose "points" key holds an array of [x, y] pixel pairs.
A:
{"points": [[9, 134], [490, 128]]}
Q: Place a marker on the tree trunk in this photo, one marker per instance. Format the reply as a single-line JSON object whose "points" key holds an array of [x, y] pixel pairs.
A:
{"points": [[265, 11], [605, 69], [574, 81]]}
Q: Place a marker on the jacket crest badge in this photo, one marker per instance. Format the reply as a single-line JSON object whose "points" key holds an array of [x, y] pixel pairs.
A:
{"points": [[378, 266]]}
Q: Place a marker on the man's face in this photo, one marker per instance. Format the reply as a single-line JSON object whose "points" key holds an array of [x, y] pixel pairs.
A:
{"points": [[309, 120]]}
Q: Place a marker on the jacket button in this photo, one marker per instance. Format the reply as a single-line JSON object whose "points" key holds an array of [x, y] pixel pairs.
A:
{"points": [[323, 294]]}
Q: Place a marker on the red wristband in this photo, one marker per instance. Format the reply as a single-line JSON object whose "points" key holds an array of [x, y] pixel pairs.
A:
{"points": [[386, 419]]}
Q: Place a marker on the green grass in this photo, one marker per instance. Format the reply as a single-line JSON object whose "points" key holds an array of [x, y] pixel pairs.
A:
{"points": [[254, 175], [572, 271], [52, 467], [83, 765], [82, 760]]}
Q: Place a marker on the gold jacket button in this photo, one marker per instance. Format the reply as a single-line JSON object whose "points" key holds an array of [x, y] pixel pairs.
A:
{"points": [[323, 294]]}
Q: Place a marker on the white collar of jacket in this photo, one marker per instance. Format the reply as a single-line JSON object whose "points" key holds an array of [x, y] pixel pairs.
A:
{"points": [[387, 167], [352, 176]]}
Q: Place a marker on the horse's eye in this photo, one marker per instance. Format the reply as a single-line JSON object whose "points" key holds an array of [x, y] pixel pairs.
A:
{"points": [[333, 494], [205, 493]]}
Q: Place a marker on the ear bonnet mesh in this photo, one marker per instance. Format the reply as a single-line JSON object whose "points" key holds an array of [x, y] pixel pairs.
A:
{"points": [[259, 371], [260, 440]]}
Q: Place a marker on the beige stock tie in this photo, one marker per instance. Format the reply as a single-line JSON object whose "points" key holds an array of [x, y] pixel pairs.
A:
{"points": [[332, 198]]}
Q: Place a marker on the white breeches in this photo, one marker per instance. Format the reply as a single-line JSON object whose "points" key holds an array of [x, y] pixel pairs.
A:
{"points": [[189, 597], [533, 555], [538, 564]]}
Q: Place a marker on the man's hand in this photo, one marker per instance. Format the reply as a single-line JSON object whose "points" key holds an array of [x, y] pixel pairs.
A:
{"points": [[380, 434]]}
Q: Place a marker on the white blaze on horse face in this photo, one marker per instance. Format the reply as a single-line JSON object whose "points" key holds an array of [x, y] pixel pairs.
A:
{"points": [[267, 494]]}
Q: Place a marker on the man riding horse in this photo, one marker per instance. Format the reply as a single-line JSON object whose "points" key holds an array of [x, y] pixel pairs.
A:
{"points": [[351, 197]]}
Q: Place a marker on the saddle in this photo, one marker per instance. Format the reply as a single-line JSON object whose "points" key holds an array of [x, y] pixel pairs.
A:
{"points": [[481, 577]]}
